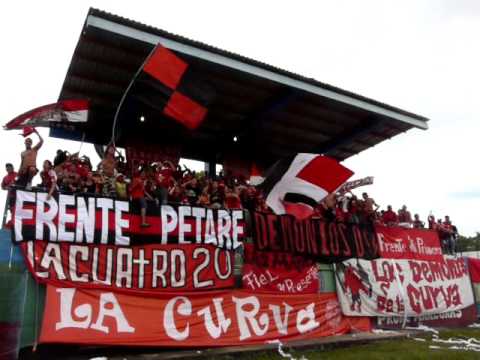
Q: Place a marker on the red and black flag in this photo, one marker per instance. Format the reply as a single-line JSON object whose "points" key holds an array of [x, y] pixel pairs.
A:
{"points": [[168, 83], [296, 185]]}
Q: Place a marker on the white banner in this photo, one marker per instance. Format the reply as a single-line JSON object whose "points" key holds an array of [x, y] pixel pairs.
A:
{"points": [[385, 287]]}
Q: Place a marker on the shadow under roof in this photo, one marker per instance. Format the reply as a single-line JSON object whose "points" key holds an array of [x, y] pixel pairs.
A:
{"points": [[272, 112]]}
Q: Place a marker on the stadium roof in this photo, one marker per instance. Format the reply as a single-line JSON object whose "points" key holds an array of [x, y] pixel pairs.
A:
{"points": [[272, 112]]}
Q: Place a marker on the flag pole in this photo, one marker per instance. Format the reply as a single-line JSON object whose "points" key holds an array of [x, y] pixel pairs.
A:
{"points": [[122, 100]]}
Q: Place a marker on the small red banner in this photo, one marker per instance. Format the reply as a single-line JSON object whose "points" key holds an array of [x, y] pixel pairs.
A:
{"points": [[280, 280], [212, 319], [278, 272], [411, 244]]}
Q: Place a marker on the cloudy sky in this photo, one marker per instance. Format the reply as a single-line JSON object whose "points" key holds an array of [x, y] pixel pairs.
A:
{"points": [[421, 56]]}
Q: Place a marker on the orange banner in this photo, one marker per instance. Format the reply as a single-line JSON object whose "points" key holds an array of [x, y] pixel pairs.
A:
{"points": [[208, 319]]}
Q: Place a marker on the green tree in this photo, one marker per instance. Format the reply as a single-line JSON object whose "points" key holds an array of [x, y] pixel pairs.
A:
{"points": [[471, 243]]}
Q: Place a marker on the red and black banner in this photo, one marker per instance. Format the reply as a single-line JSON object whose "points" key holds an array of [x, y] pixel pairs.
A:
{"points": [[168, 82], [82, 219], [144, 269], [313, 238]]}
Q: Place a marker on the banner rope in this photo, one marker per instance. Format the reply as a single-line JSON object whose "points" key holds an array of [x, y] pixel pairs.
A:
{"points": [[10, 259], [81, 144], [25, 293], [35, 325]]}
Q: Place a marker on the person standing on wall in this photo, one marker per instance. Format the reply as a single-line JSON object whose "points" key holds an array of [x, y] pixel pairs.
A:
{"points": [[28, 166]]}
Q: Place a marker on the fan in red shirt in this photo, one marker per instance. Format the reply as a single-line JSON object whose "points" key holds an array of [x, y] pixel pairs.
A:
{"points": [[49, 178], [164, 179], [452, 234], [353, 209], [340, 215], [138, 194], [9, 179], [404, 216], [232, 199], [417, 223], [82, 169], [390, 218], [164, 174]]}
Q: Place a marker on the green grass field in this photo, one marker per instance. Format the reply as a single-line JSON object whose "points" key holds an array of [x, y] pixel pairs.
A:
{"points": [[407, 349]]}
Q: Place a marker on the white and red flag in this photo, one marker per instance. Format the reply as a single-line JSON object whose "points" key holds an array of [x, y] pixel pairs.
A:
{"points": [[67, 112], [296, 185]]}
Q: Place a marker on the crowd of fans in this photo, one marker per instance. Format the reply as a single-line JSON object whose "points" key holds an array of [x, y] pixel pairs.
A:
{"points": [[164, 182], [348, 208]]}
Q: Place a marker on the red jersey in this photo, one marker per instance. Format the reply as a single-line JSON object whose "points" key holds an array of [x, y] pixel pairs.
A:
{"points": [[82, 170], [164, 178], [418, 224], [9, 179], [339, 214], [404, 216], [69, 166], [389, 216], [48, 178], [233, 202], [137, 189], [447, 226]]}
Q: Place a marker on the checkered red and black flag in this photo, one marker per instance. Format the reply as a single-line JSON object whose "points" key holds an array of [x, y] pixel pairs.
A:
{"points": [[167, 82]]}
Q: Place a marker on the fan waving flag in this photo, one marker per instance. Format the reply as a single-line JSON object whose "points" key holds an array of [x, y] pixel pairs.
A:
{"points": [[67, 112], [296, 185], [168, 83]]}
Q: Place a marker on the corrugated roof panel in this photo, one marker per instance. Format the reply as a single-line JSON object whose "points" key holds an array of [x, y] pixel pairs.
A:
{"points": [[271, 117]]}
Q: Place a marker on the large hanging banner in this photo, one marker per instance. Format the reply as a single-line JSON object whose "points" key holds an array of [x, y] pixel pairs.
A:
{"points": [[280, 273], [397, 287], [414, 244], [314, 238], [140, 269], [223, 318], [82, 219]]}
